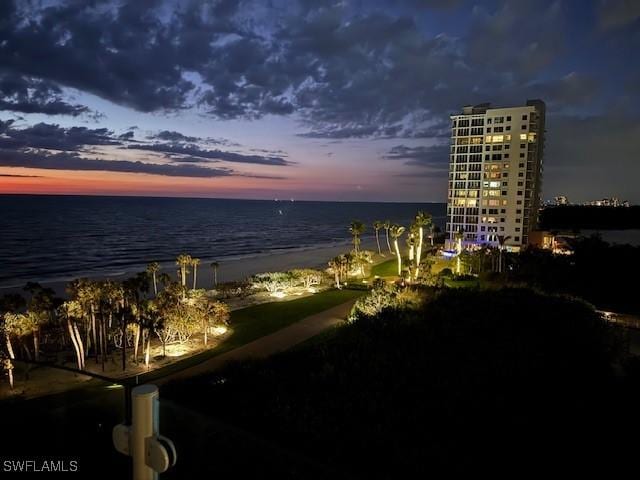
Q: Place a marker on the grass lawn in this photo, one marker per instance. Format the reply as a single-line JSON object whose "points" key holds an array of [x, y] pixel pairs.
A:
{"points": [[388, 268], [253, 322]]}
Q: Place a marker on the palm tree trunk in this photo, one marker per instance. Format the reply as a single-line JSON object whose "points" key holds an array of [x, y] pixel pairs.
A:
{"points": [[124, 343], [10, 373], [378, 242], [419, 252], [215, 277], [395, 243], [148, 349], [388, 244], [12, 355], [36, 345], [155, 285], [93, 332], [136, 343], [206, 328], [74, 341], [195, 275]]}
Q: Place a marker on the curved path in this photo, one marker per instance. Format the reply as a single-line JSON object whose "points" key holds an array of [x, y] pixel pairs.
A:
{"points": [[268, 345]]}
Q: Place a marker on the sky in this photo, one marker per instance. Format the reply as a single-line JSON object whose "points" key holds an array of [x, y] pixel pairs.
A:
{"points": [[307, 99]]}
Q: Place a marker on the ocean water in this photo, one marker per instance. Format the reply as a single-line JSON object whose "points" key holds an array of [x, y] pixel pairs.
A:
{"points": [[58, 238]]}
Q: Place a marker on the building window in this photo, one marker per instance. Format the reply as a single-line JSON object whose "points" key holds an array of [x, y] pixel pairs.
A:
{"points": [[522, 155], [517, 239], [488, 129], [517, 229], [524, 117], [518, 202], [524, 127], [519, 192], [508, 128], [508, 118], [506, 155]]}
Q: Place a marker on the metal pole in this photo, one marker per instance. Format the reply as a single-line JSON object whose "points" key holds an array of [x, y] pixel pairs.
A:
{"points": [[145, 419]]}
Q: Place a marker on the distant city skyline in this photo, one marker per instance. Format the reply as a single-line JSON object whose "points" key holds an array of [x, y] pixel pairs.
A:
{"points": [[320, 100]]}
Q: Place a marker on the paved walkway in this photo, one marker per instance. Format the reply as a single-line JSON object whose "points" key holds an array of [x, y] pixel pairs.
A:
{"points": [[268, 345]]}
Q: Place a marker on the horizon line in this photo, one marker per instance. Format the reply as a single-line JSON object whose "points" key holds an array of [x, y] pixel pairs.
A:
{"points": [[289, 199]]}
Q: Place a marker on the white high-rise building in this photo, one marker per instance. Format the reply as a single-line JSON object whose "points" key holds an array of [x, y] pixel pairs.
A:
{"points": [[495, 174]]}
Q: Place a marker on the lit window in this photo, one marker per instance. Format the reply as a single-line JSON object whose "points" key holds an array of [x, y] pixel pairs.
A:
{"points": [[523, 136]]}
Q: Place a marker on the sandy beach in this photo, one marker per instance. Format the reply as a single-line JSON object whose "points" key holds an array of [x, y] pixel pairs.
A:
{"points": [[233, 269]]}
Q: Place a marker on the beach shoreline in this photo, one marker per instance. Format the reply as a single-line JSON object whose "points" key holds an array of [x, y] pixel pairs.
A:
{"points": [[230, 270]]}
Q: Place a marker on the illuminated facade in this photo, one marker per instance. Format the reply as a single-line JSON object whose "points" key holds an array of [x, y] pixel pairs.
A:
{"points": [[495, 174]]}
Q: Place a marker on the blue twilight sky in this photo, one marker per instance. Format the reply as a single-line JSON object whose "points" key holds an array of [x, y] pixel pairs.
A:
{"points": [[309, 99]]}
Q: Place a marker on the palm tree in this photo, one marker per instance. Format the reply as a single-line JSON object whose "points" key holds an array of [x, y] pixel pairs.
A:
{"points": [[214, 266], [396, 232], [165, 279], [356, 229], [194, 263], [501, 241], [72, 311], [422, 220], [183, 261], [334, 265], [152, 269], [377, 225], [386, 225]]}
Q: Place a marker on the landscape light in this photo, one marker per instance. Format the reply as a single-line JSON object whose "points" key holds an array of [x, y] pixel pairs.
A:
{"points": [[219, 330]]}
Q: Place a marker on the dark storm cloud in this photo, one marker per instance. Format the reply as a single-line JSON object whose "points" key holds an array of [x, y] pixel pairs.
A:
{"points": [[190, 150], [28, 95], [431, 156], [31, 147], [346, 72], [138, 61], [72, 161], [171, 136], [54, 137]]}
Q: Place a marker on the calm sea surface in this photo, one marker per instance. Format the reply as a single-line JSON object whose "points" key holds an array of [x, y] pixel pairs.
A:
{"points": [[51, 238]]}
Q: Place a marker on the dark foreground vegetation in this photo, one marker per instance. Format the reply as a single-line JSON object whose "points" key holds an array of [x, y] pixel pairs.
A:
{"points": [[603, 274], [503, 381], [579, 217], [598, 272]]}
